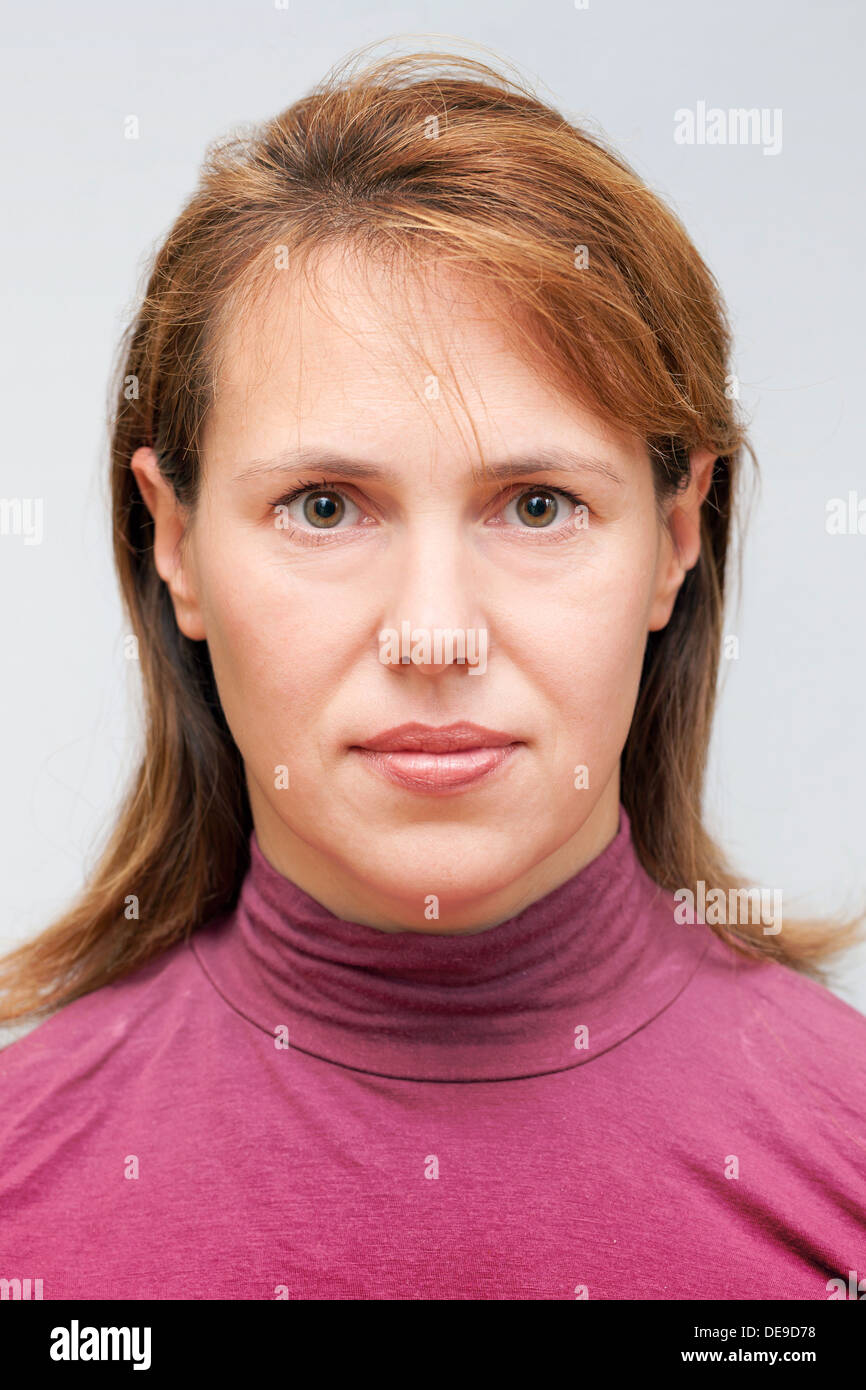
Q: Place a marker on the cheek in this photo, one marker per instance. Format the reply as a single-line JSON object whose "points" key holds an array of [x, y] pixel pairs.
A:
{"points": [[585, 642], [277, 655]]}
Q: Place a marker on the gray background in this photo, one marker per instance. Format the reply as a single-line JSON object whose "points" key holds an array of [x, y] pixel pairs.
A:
{"points": [[84, 207]]}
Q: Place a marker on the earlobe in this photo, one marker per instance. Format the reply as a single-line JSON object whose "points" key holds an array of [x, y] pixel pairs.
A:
{"points": [[170, 557]]}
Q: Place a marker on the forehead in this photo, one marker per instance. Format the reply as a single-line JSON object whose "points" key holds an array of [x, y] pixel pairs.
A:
{"points": [[345, 318], [350, 340]]}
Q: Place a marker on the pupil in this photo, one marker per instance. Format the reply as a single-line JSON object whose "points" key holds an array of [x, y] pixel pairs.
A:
{"points": [[537, 507], [324, 507]]}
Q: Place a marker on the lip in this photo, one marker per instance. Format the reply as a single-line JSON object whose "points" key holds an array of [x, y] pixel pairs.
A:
{"points": [[428, 738], [424, 758]]}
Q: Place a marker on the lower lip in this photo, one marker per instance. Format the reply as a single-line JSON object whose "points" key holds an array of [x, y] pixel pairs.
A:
{"points": [[438, 772]]}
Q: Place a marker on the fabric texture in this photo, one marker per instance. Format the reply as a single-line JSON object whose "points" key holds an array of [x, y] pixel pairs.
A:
{"points": [[589, 1100]]}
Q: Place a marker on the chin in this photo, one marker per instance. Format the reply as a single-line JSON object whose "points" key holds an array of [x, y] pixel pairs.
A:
{"points": [[459, 867]]}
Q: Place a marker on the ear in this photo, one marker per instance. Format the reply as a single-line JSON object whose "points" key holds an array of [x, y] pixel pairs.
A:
{"points": [[171, 557], [681, 542]]}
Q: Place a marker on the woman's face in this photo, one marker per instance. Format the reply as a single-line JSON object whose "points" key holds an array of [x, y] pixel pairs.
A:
{"points": [[548, 600]]}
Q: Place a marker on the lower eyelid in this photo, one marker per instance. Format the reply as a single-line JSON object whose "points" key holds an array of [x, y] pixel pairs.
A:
{"points": [[314, 536]]}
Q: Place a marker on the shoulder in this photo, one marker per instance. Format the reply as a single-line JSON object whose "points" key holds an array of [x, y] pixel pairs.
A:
{"points": [[791, 1030], [113, 1026], [786, 993]]}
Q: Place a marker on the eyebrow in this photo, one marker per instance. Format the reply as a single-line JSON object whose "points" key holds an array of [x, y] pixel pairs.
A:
{"points": [[550, 460]]}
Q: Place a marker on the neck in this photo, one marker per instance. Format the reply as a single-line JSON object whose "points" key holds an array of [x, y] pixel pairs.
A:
{"points": [[551, 988]]}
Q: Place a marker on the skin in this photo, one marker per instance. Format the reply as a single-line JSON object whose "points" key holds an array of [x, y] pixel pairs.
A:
{"points": [[292, 617]]}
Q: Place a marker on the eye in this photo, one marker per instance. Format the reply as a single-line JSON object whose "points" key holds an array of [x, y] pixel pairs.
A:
{"points": [[540, 507], [319, 508]]}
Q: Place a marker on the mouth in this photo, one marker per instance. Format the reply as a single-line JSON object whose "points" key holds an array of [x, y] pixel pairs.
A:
{"points": [[423, 758]]}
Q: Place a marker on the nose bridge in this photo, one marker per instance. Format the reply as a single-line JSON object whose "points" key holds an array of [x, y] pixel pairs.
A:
{"points": [[435, 590]]}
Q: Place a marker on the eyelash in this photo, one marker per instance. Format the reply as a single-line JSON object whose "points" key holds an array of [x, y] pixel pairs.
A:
{"points": [[503, 498]]}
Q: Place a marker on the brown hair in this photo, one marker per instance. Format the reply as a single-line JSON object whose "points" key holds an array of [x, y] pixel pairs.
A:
{"points": [[425, 155]]}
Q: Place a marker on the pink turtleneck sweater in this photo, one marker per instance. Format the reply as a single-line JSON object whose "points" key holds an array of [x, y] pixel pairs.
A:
{"points": [[588, 1100]]}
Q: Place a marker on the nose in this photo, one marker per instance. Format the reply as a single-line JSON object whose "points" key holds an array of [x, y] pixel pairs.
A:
{"points": [[432, 620]]}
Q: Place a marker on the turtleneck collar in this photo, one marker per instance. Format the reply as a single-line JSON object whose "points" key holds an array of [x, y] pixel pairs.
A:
{"points": [[566, 979]]}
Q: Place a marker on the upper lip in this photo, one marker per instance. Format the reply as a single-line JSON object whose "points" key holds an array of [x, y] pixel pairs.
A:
{"points": [[426, 738]]}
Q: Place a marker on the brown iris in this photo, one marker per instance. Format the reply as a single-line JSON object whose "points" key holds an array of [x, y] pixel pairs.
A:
{"points": [[537, 508], [324, 509]]}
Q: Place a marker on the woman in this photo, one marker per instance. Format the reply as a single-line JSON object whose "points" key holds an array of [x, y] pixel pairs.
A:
{"points": [[410, 970]]}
